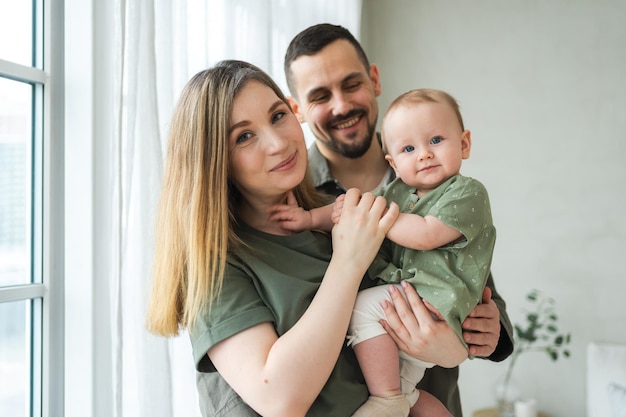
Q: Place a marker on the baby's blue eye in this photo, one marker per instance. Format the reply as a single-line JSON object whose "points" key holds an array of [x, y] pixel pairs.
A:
{"points": [[436, 140], [408, 148]]}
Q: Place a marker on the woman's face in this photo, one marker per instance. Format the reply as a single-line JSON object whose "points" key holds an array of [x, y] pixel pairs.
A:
{"points": [[267, 148]]}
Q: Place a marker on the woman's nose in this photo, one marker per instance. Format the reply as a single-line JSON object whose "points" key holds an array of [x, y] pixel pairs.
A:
{"points": [[275, 141]]}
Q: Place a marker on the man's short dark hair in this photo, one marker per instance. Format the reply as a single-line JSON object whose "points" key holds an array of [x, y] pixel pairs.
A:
{"points": [[312, 40]]}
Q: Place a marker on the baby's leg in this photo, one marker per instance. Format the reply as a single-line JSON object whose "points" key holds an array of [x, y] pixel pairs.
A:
{"points": [[379, 361], [411, 372], [396, 406], [429, 406], [378, 358]]}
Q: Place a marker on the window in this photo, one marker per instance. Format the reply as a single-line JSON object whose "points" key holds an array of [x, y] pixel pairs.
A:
{"points": [[31, 209]]}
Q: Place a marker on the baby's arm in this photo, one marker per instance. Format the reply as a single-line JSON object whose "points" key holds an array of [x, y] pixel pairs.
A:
{"points": [[421, 233], [321, 217], [337, 207], [296, 219]]}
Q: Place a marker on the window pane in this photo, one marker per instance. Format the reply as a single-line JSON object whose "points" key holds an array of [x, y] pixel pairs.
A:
{"points": [[16, 36], [15, 357], [15, 181]]}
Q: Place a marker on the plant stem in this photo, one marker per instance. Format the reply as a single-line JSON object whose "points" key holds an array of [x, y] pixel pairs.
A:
{"points": [[509, 370]]}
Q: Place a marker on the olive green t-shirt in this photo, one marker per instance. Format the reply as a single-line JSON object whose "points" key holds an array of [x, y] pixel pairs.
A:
{"points": [[273, 280]]}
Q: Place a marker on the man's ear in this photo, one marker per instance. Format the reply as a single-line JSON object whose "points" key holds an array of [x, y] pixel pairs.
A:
{"points": [[295, 108], [375, 77], [466, 144]]}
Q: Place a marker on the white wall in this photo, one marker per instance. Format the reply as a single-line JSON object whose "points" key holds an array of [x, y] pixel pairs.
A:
{"points": [[542, 86]]}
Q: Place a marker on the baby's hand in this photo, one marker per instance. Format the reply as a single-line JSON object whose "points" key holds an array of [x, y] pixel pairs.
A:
{"points": [[336, 214], [290, 216]]}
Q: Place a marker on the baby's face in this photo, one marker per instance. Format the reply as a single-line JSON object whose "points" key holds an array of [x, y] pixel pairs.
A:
{"points": [[425, 143]]}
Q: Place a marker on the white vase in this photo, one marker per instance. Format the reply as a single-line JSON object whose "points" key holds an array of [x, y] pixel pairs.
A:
{"points": [[506, 394]]}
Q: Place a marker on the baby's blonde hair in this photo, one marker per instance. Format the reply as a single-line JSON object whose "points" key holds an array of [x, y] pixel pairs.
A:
{"points": [[423, 95]]}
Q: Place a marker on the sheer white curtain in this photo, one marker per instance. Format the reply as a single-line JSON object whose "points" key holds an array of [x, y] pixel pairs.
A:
{"points": [[153, 49]]}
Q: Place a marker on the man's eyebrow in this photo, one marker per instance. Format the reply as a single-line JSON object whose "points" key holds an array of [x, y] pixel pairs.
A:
{"points": [[352, 76]]}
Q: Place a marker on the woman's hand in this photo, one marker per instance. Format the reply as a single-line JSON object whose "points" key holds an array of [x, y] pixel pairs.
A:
{"points": [[418, 333], [362, 228], [481, 329]]}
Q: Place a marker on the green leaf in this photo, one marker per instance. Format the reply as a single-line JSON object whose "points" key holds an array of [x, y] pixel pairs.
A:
{"points": [[539, 330]]}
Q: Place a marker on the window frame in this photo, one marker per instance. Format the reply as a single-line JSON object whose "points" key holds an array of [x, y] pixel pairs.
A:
{"points": [[46, 291]]}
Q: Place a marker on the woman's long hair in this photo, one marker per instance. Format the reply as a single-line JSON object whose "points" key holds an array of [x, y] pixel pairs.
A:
{"points": [[198, 202]]}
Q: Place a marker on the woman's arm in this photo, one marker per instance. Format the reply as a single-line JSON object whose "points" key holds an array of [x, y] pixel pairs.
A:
{"points": [[282, 376]]}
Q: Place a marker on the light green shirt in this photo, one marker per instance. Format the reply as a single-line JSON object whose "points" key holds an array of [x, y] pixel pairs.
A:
{"points": [[451, 277]]}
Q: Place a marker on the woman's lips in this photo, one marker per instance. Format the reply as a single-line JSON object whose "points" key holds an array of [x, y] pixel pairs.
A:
{"points": [[286, 163]]}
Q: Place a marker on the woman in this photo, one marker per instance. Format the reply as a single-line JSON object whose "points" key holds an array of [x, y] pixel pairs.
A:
{"points": [[267, 309]]}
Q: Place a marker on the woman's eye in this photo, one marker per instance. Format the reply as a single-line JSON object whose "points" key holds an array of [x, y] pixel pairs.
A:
{"points": [[243, 137], [277, 116], [408, 148], [436, 140]]}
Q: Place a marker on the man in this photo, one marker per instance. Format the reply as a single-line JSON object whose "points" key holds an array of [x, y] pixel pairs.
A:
{"points": [[334, 89]]}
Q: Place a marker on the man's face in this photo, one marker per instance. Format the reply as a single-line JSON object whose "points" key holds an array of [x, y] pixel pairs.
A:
{"points": [[336, 95]]}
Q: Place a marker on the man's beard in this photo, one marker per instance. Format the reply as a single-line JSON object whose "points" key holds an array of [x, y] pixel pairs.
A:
{"points": [[354, 149]]}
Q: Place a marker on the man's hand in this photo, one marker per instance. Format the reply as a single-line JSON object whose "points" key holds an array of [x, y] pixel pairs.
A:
{"points": [[481, 329], [418, 333]]}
